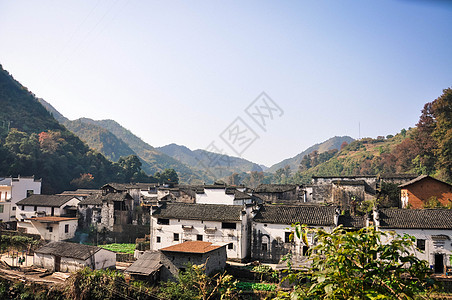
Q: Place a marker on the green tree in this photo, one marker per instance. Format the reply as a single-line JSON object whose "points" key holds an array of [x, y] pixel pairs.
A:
{"points": [[167, 176], [364, 264], [194, 283]]}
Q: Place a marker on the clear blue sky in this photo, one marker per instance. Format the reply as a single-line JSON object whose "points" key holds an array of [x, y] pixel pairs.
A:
{"points": [[181, 72]]}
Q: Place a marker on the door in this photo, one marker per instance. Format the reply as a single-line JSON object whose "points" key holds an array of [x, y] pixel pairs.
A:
{"points": [[57, 263], [439, 263]]}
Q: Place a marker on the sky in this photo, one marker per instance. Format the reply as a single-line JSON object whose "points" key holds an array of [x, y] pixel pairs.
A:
{"points": [[193, 72]]}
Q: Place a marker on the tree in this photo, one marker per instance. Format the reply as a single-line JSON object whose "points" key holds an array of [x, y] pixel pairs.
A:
{"points": [[167, 176], [364, 264], [193, 283]]}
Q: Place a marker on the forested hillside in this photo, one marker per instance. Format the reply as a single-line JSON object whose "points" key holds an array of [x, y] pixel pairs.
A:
{"points": [[424, 149], [32, 142]]}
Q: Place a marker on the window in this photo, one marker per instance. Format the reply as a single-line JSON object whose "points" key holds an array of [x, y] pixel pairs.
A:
{"points": [[35, 208], [199, 237], [1, 209], [264, 247], [14, 208], [158, 239], [420, 243], [231, 246], [287, 237], [50, 229], [226, 225], [30, 192], [23, 207], [66, 228], [176, 237], [305, 250], [163, 221]]}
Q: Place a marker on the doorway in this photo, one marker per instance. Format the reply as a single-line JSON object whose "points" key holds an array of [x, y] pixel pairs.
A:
{"points": [[57, 263], [439, 263]]}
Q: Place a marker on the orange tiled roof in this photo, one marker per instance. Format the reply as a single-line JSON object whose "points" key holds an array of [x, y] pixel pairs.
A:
{"points": [[192, 247], [51, 219]]}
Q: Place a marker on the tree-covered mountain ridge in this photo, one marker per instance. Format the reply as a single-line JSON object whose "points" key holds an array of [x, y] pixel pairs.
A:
{"points": [[33, 142]]}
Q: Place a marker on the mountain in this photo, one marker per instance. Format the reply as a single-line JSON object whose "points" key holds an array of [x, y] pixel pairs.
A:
{"points": [[113, 140], [294, 162], [219, 165], [33, 142]]}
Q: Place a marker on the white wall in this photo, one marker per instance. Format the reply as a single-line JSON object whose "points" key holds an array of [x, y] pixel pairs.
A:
{"points": [[29, 210], [215, 196], [431, 247], [58, 229], [104, 259], [6, 208], [166, 234]]}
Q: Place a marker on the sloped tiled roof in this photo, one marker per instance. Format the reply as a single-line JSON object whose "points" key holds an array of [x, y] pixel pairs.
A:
{"points": [[96, 199], [285, 214], [148, 263], [238, 195], [46, 200], [352, 221], [275, 188], [193, 247], [65, 249], [419, 178], [207, 212], [82, 192], [349, 182], [416, 218]]}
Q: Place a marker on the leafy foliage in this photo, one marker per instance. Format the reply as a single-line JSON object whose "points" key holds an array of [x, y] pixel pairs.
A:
{"points": [[249, 286], [365, 264], [193, 283]]}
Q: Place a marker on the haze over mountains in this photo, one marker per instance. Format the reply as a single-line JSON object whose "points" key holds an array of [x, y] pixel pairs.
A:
{"points": [[193, 166]]}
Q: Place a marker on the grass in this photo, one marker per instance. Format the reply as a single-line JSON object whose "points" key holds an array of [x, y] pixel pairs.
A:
{"points": [[121, 248], [248, 286]]}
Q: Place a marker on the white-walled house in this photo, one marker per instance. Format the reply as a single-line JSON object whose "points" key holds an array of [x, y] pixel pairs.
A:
{"points": [[271, 230], [70, 257], [51, 216], [173, 223], [14, 189], [432, 229], [222, 194]]}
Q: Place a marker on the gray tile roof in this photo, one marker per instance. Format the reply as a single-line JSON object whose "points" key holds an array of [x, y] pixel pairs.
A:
{"points": [[420, 178], [352, 221], [66, 249], [148, 263], [206, 212], [285, 214], [416, 218], [96, 199], [238, 195], [46, 200], [275, 188]]}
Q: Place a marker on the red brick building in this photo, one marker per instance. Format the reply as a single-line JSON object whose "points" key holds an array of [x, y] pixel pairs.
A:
{"points": [[417, 192]]}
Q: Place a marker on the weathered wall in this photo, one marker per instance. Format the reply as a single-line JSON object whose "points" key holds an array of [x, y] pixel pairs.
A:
{"points": [[419, 193]]}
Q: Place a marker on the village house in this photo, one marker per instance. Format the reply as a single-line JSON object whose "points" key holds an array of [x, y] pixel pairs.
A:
{"points": [[70, 257], [51, 216], [105, 210], [220, 193], [419, 191], [14, 189], [166, 263], [272, 234], [173, 223], [432, 229], [291, 194]]}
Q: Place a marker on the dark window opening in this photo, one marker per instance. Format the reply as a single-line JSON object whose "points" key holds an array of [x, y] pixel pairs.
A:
{"points": [[163, 221], [199, 237], [230, 246], [420, 243], [35, 208], [287, 237], [305, 250], [176, 237], [50, 229], [66, 228], [158, 239], [227, 225], [264, 247]]}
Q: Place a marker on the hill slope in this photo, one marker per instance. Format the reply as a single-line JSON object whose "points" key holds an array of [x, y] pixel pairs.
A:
{"points": [[219, 165], [294, 162], [32, 142]]}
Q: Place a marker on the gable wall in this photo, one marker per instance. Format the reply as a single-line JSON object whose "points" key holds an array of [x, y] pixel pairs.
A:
{"points": [[418, 193]]}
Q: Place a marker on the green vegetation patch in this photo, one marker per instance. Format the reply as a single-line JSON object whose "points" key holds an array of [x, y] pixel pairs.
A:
{"points": [[121, 248], [257, 286]]}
